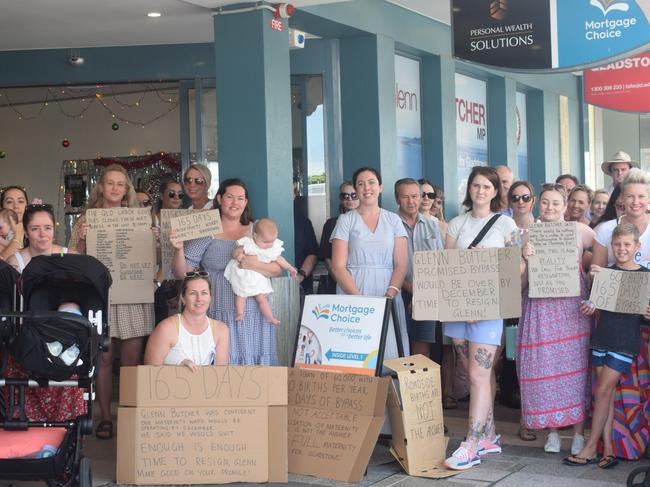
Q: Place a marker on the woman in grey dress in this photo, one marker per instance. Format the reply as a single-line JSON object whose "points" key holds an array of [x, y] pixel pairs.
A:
{"points": [[369, 252], [252, 341]]}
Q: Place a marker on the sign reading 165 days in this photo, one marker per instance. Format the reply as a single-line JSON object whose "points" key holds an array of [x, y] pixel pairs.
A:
{"points": [[121, 239], [621, 291]]}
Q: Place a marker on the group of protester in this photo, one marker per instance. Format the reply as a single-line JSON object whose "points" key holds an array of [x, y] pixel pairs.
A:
{"points": [[369, 251]]}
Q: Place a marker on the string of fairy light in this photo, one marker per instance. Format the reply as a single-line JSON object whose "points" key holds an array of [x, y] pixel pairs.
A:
{"points": [[62, 97]]}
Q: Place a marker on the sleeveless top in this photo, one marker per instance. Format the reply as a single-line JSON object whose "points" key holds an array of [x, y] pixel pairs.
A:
{"points": [[200, 349], [21, 261]]}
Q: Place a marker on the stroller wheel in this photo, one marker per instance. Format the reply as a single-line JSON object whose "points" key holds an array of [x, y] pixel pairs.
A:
{"points": [[85, 473], [643, 481]]}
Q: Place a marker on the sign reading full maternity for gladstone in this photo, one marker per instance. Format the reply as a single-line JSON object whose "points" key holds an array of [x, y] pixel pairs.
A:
{"points": [[544, 35]]}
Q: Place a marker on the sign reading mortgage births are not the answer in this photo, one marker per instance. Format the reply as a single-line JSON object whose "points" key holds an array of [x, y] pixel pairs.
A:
{"points": [[342, 333], [548, 35]]}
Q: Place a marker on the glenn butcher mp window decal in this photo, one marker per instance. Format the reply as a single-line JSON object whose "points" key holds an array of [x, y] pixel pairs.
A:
{"points": [[538, 35]]}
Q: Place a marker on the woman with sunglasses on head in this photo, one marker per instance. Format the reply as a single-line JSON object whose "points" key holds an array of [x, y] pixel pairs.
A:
{"points": [[14, 198], [190, 338], [348, 200], [553, 342], [129, 323], [196, 183], [370, 253], [629, 435], [53, 403], [166, 296], [252, 340]]}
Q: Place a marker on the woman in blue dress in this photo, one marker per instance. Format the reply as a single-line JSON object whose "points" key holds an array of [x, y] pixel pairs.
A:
{"points": [[252, 341], [369, 251]]}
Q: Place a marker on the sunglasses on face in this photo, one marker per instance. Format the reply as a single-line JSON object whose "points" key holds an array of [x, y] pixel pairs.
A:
{"points": [[40, 206], [176, 195], [515, 198], [189, 275], [199, 181], [431, 195], [348, 196]]}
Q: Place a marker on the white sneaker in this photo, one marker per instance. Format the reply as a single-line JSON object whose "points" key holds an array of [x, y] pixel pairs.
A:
{"points": [[552, 443], [577, 444], [463, 458]]}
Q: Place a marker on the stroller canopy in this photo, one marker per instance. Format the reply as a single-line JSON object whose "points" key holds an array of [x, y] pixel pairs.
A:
{"points": [[49, 280], [8, 278]]}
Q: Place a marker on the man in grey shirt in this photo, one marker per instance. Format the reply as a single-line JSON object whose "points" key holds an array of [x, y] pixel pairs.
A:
{"points": [[423, 234]]}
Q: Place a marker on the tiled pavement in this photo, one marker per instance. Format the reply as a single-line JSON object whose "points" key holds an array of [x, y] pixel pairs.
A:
{"points": [[521, 464]]}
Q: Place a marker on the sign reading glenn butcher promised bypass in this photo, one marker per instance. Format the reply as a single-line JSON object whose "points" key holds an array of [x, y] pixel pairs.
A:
{"points": [[467, 285]]}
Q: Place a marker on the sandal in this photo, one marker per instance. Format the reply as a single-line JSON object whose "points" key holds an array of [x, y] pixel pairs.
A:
{"points": [[526, 434], [608, 461], [104, 430], [449, 402], [576, 461]]}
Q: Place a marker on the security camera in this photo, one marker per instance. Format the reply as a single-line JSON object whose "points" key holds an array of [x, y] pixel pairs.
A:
{"points": [[296, 38], [76, 60]]}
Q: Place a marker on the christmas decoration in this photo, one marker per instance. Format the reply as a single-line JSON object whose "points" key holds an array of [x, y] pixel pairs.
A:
{"points": [[3, 154], [65, 143], [115, 126]]}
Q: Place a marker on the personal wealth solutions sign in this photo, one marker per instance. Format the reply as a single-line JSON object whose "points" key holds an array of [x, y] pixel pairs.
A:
{"points": [[543, 35], [342, 333]]}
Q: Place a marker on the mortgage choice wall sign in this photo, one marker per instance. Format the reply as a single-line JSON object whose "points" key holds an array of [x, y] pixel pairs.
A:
{"points": [[548, 35]]}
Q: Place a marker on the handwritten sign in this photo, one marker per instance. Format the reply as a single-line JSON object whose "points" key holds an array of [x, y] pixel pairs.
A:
{"points": [[166, 248], [553, 271], [621, 291], [121, 239], [466, 285], [197, 224], [334, 422]]}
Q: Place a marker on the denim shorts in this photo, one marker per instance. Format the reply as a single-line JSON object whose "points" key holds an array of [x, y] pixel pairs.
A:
{"points": [[421, 331], [620, 362], [487, 332]]}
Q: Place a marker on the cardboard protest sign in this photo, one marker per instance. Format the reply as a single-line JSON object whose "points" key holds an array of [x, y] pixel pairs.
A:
{"points": [[342, 333], [462, 285], [219, 425], [621, 291], [121, 239], [553, 271], [196, 225], [415, 411], [166, 249], [334, 422]]}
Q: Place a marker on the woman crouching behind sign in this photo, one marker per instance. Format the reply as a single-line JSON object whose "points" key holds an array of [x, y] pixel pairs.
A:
{"points": [[477, 342], [553, 344], [129, 323], [190, 338]]}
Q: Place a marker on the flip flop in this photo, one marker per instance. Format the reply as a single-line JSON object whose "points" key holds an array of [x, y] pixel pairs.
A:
{"points": [[576, 461], [104, 430], [526, 434], [608, 461]]}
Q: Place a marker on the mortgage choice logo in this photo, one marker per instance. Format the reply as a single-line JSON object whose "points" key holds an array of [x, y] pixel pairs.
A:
{"points": [[342, 313], [602, 27]]}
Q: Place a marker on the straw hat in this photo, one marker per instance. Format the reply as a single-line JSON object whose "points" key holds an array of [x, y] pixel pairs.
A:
{"points": [[617, 158]]}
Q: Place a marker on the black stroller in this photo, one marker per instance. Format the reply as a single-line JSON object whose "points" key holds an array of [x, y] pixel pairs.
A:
{"points": [[53, 349]]}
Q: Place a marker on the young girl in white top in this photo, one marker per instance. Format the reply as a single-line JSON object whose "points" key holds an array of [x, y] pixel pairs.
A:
{"points": [[245, 282], [190, 338]]}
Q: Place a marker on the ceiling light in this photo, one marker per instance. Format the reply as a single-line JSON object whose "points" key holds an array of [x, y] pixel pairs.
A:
{"points": [[154, 15]]}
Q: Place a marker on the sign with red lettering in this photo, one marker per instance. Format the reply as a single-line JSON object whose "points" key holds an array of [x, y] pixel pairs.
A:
{"points": [[471, 127], [276, 24], [407, 116], [622, 85]]}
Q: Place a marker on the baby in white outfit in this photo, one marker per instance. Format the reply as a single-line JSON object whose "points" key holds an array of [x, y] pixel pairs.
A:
{"points": [[245, 282]]}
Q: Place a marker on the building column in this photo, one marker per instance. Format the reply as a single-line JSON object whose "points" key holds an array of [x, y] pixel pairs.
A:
{"points": [[368, 108], [254, 112], [543, 115], [502, 123]]}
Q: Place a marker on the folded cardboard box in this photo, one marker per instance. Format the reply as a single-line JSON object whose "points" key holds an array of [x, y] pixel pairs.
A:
{"points": [[415, 411], [334, 422], [221, 424]]}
